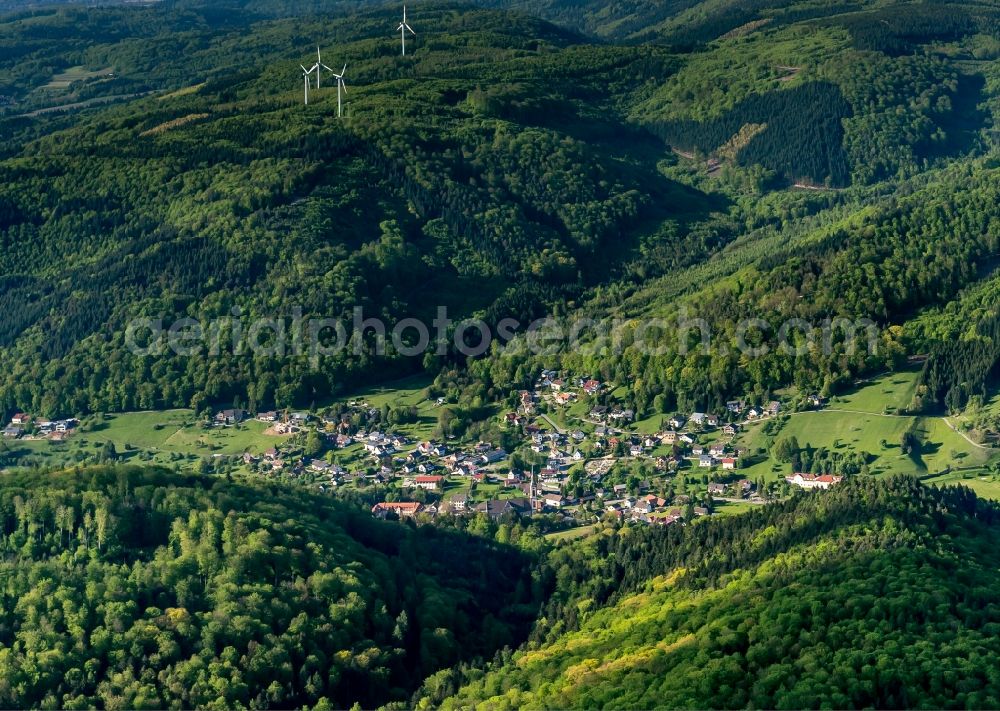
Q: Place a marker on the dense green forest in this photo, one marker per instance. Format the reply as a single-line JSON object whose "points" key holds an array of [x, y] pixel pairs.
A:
{"points": [[132, 588], [875, 594], [507, 154], [451, 170], [802, 135], [143, 588]]}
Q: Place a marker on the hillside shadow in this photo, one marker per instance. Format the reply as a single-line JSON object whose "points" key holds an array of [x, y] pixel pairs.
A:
{"points": [[916, 456], [966, 118]]}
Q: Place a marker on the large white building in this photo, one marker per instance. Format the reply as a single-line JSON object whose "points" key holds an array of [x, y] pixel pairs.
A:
{"points": [[813, 481]]}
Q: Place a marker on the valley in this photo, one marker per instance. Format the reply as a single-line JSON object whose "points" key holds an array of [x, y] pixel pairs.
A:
{"points": [[581, 355], [560, 454]]}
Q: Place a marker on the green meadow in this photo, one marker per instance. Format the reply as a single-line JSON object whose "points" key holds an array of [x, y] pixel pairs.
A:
{"points": [[865, 420], [167, 436], [985, 484]]}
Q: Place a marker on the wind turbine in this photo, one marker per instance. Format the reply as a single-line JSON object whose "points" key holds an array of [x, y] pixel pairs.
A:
{"points": [[305, 78], [340, 85], [403, 27], [319, 66]]}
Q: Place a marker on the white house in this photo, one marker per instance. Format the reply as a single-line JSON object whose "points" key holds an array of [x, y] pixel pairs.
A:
{"points": [[813, 481]]}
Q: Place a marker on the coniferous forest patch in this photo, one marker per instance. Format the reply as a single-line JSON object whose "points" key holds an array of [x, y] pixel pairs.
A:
{"points": [[803, 137]]}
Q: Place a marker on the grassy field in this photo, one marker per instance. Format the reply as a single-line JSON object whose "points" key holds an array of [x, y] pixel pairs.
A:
{"points": [[79, 73], [649, 425], [984, 484], [572, 534], [399, 393], [179, 431], [886, 395], [731, 508], [851, 432], [168, 436], [864, 421]]}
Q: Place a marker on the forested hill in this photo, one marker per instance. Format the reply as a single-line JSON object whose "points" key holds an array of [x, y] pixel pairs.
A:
{"points": [[506, 167], [141, 588], [876, 594], [469, 163], [131, 588]]}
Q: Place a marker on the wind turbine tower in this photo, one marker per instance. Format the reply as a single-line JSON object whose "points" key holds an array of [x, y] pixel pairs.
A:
{"points": [[340, 87], [305, 78], [319, 66], [403, 29]]}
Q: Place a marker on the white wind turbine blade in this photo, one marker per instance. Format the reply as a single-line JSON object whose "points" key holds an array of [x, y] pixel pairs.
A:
{"points": [[409, 28], [327, 68]]}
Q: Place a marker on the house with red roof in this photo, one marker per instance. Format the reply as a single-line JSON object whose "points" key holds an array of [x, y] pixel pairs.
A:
{"points": [[430, 483]]}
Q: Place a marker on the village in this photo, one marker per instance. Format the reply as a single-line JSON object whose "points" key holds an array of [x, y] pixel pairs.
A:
{"points": [[570, 449], [602, 468]]}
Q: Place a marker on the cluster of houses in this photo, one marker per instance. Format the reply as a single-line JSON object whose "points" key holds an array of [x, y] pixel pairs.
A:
{"points": [[494, 508], [535, 492], [738, 408], [393, 456], [542, 492], [651, 509], [430, 466], [281, 422], [742, 489], [459, 505], [611, 421], [378, 445], [22, 425], [612, 414], [558, 391]]}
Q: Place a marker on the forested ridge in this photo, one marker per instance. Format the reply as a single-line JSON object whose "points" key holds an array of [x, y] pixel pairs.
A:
{"points": [[811, 148], [145, 588], [507, 153], [876, 593], [451, 170], [141, 588]]}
